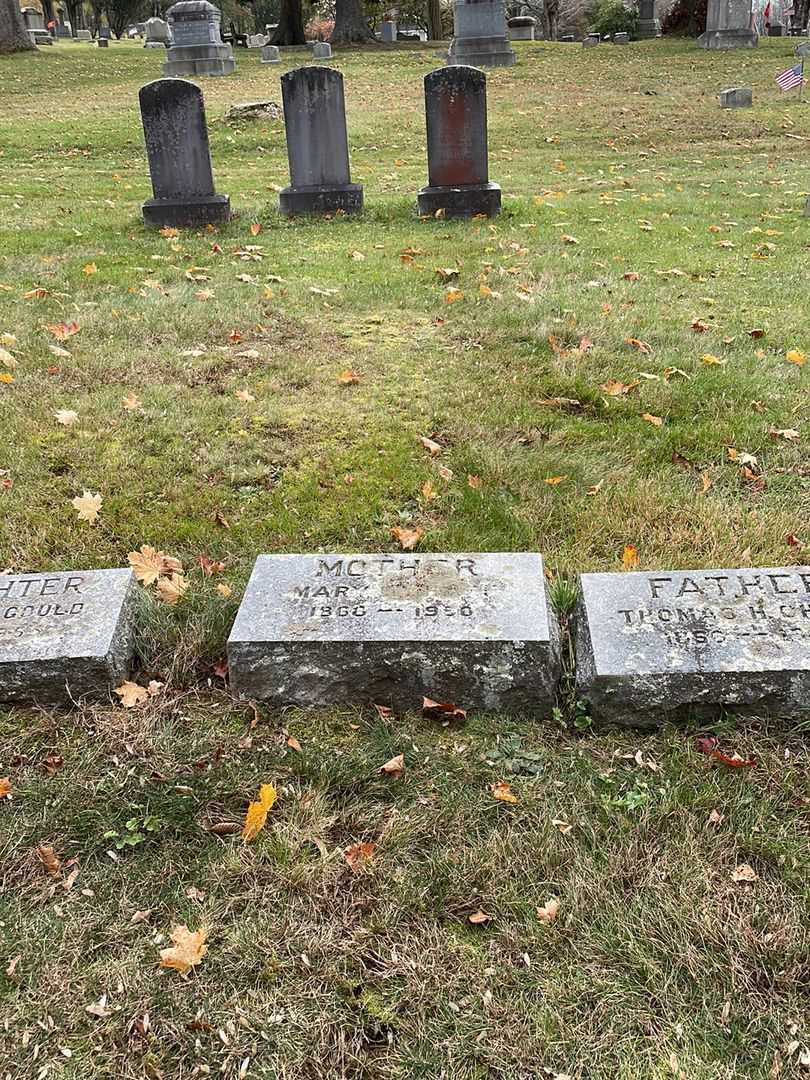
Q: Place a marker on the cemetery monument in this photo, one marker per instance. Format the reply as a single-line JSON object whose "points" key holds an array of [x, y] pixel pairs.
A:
{"points": [[197, 47], [729, 25], [479, 34]]}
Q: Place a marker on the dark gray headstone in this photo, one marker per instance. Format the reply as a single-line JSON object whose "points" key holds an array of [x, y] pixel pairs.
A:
{"points": [[738, 97], [317, 144], [388, 32], [64, 636], [179, 157], [653, 646], [476, 630], [103, 43], [621, 39], [458, 168], [649, 25]]}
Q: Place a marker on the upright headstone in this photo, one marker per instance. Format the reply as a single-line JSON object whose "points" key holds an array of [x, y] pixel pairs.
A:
{"points": [[157, 34], [197, 47], [590, 40], [458, 165], [388, 32], [64, 636], [33, 19], [476, 630], [321, 50], [257, 41], [650, 646], [179, 157], [271, 54], [522, 27], [738, 97], [729, 25], [84, 35], [317, 144], [104, 33], [479, 34], [649, 25], [621, 39]]}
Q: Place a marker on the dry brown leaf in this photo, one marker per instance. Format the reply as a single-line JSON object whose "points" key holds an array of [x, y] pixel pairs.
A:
{"points": [[62, 331], [188, 949], [479, 917], [5, 786], [636, 343], [700, 327], [49, 859], [656, 421], [131, 694], [172, 588], [614, 388], [244, 395], [66, 417], [131, 401], [503, 792], [348, 377], [408, 538], [358, 855], [452, 296], [745, 873], [147, 563], [474, 482], [549, 911], [88, 506], [447, 273], [789, 434], [442, 710], [432, 447], [256, 815], [224, 590], [394, 767]]}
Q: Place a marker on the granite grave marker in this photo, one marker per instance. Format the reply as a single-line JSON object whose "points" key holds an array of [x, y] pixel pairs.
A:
{"points": [[197, 47], [649, 26], [317, 144], [737, 97], [652, 646], [458, 166], [321, 50], [479, 34], [271, 54], [179, 157], [477, 630], [64, 636], [729, 25]]}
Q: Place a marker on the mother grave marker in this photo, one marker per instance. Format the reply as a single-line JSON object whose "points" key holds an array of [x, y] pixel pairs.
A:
{"points": [[477, 630], [179, 157], [650, 646]]}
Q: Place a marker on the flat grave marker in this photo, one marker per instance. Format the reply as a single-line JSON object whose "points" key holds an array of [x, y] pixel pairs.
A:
{"points": [[64, 636], [477, 630], [652, 646]]}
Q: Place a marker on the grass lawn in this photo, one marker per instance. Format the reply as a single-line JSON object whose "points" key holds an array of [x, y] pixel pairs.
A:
{"points": [[603, 335]]}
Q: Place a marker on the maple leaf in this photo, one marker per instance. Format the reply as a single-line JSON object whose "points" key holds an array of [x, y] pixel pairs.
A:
{"points": [[433, 448], [503, 792], [6, 378], [630, 556], [188, 949], [88, 506], [656, 421], [549, 911], [49, 859], [408, 538], [131, 401], [66, 417], [348, 377], [478, 918], [147, 563], [171, 589], [131, 694], [210, 566], [256, 816], [61, 331], [358, 855], [789, 434], [394, 767], [795, 356], [5, 786]]}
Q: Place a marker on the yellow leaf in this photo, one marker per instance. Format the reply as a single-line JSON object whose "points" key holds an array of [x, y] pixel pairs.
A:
{"points": [[147, 564], [169, 232], [408, 538], [453, 295], [429, 491], [131, 694], [256, 815], [795, 356], [552, 481], [171, 589], [90, 269], [656, 421], [630, 556], [432, 447], [614, 388], [549, 911], [224, 590], [6, 378], [188, 949], [712, 361], [479, 917], [88, 506], [503, 792]]}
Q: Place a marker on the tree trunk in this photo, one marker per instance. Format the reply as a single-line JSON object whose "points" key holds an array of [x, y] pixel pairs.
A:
{"points": [[290, 24], [434, 20], [13, 35], [351, 27]]}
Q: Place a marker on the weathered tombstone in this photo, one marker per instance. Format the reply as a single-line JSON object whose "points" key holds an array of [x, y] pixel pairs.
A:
{"points": [[64, 636], [321, 50], [317, 144], [197, 47], [388, 32], [103, 43], [179, 157], [477, 630], [41, 37], [738, 97], [479, 35], [521, 27], [591, 40], [104, 33], [458, 166], [651, 646], [568, 37], [776, 30], [649, 25], [621, 39], [158, 35], [728, 26], [84, 35], [271, 54], [257, 41], [33, 19]]}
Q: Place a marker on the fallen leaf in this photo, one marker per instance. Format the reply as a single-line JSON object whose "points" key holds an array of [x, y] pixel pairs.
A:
{"points": [[224, 590], [130, 401], [564, 827], [447, 273], [429, 492], [614, 388], [256, 815], [503, 792], [49, 859], [131, 694], [5, 786], [714, 818], [408, 538], [169, 232], [384, 712], [699, 326], [452, 296], [549, 911], [636, 343], [98, 1008], [88, 506], [656, 421], [255, 228], [57, 350], [631, 275], [432, 447], [188, 949], [348, 377], [89, 269], [567, 239], [630, 556], [474, 482], [66, 417], [147, 563], [294, 744], [552, 481], [789, 434], [358, 855], [244, 395], [756, 333], [442, 710], [707, 744], [394, 767], [479, 917], [795, 356], [62, 331], [744, 872], [171, 589]]}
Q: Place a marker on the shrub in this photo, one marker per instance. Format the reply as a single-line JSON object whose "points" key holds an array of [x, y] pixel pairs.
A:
{"points": [[612, 17]]}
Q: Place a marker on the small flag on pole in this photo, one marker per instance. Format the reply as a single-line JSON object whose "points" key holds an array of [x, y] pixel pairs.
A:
{"points": [[789, 78]]}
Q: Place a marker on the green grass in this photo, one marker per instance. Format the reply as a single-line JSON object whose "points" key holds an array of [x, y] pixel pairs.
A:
{"points": [[659, 964]]}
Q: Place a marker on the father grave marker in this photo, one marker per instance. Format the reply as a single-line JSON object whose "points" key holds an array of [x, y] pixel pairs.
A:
{"points": [[179, 157], [458, 167], [64, 636], [652, 646], [477, 630], [317, 144]]}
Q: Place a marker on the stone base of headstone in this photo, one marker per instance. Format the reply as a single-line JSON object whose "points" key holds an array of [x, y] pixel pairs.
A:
{"points": [[740, 97], [103, 43], [65, 637], [319, 630], [40, 37], [656, 646], [482, 52], [184, 60], [621, 39], [345, 198], [648, 29], [187, 213], [469, 200], [155, 45], [728, 39]]}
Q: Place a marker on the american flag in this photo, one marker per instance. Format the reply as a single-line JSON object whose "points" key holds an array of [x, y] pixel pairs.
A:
{"points": [[789, 78]]}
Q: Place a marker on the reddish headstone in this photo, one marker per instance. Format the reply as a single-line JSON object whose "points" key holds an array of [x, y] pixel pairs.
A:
{"points": [[458, 170]]}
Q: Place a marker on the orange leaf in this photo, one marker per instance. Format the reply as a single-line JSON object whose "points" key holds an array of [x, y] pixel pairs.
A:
{"points": [[188, 949], [255, 228], [408, 538], [61, 331], [49, 859], [552, 481], [503, 792], [630, 556], [636, 343], [348, 377], [656, 421], [256, 815], [5, 786], [358, 855]]}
